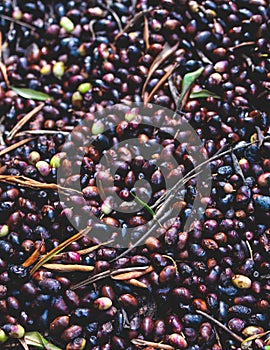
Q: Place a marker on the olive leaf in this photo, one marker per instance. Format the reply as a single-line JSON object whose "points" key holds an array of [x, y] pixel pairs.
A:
{"points": [[204, 94], [146, 206], [31, 94], [37, 340], [188, 81], [161, 57]]}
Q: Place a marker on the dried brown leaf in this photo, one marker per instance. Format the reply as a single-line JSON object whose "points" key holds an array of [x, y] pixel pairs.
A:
{"points": [[131, 275], [161, 57], [4, 72], [34, 256], [24, 120], [145, 343], [173, 90], [68, 267], [59, 248], [160, 82], [136, 283]]}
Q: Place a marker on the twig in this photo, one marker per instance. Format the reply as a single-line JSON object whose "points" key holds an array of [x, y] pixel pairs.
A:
{"points": [[41, 132], [91, 28], [21, 23], [221, 325], [249, 249], [247, 43], [14, 146], [132, 22], [218, 338], [24, 181], [148, 233], [114, 14], [24, 120]]}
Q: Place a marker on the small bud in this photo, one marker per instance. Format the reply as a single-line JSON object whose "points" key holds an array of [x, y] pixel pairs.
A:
{"points": [[67, 24], [103, 303], [241, 281]]}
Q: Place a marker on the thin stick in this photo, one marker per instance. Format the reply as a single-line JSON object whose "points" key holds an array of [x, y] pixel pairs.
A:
{"points": [[132, 22], [24, 181], [14, 146], [249, 249], [24, 120], [218, 337], [41, 132], [221, 325], [21, 23], [141, 239]]}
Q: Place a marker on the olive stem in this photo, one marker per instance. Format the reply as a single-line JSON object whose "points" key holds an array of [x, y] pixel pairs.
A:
{"points": [[221, 325]]}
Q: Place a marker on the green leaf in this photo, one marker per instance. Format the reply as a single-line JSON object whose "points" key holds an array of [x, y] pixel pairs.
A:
{"points": [[267, 347], [146, 206], [188, 81], [37, 340], [31, 94], [33, 339], [203, 94]]}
